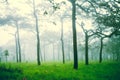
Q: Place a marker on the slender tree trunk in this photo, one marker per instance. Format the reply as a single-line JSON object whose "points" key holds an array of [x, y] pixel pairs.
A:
{"points": [[16, 44], [37, 34], [101, 48], [69, 52], [86, 49], [18, 40], [41, 56], [38, 50], [62, 42], [117, 55], [53, 52], [0, 59], [74, 34], [6, 59], [44, 54], [58, 52]]}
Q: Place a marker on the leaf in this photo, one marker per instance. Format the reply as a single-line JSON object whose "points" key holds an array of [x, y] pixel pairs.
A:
{"points": [[45, 13], [54, 23]]}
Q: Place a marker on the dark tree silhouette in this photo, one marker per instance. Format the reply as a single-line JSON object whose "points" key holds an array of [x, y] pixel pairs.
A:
{"points": [[88, 34], [73, 2]]}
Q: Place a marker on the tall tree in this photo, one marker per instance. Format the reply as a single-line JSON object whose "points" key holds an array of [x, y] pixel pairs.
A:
{"points": [[37, 33], [105, 13], [56, 7], [74, 33], [16, 45], [62, 41], [101, 49], [113, 48], [18, 41], [101, 34], [9, 19], [88, 34]]}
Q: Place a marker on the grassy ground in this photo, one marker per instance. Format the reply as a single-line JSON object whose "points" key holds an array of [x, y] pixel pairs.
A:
{"points": [[58, 71]]}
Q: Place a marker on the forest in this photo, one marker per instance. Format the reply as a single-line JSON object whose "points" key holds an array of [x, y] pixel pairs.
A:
{"points": [[60, 40]]}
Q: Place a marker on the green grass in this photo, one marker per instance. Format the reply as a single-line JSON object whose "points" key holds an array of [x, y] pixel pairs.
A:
{"points": [[59, 71]]}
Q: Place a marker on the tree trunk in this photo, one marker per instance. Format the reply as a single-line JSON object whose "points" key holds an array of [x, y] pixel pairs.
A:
{"points": [[6, 59], [18, 40], [101, 48], [74, 34], [37, 34], [0, 59], [62, 41], [53, 52], [44, 54], [38, 49], [16, 44], [58, 51], [69, 53], [86, 49]]}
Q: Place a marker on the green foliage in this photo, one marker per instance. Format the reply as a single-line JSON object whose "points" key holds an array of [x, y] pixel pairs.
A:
{"points": [[56, 6], [8, 72], [113, 47], [105, 12], [111, 15], [57, 71]]}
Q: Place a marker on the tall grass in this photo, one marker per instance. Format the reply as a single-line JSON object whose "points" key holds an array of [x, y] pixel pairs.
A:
{"points": [[59, 71]]}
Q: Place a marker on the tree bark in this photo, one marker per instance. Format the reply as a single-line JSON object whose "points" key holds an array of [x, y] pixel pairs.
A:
{"points": [[53, 52], [37, 34], [62, 42], [74, 34], [69, 53], [44, 54], [58, 52], [86, 49], [18, 41], [101, 48], [16, 44]]}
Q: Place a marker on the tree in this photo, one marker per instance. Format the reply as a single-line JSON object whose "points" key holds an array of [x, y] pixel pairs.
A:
{"points": [[113, 47], [101, 49], [88, 34], [61, 15], [37, 33], [65, 15], [0, 53], [101, 34], [16, 45], [14, 20], [51, 39], [73, 2], [105, 13], [6, 54], [62, 41]]}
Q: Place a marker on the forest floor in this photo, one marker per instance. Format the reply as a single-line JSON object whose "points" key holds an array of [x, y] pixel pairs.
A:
{"points": [[59, 71]]}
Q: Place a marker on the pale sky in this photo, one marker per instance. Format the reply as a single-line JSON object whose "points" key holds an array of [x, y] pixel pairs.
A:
{"points": [[4, 37], [23, 10]]}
